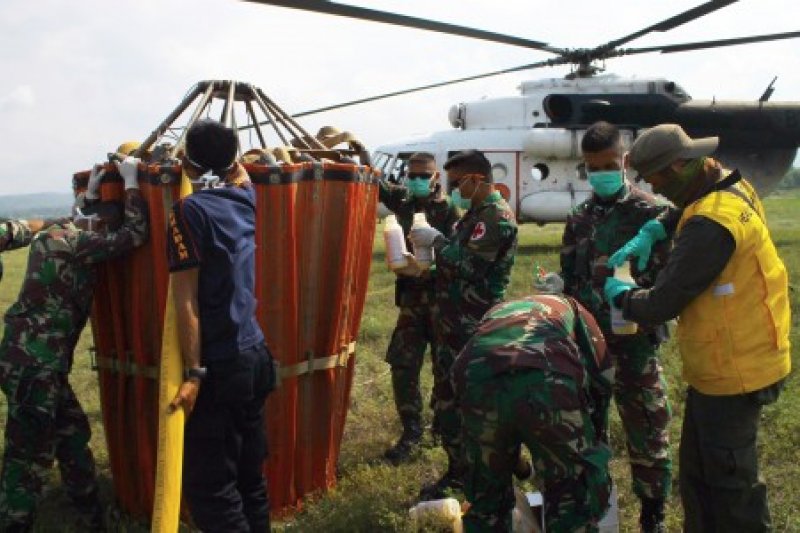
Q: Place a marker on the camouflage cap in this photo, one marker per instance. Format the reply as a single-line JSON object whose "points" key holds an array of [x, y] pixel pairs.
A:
{"points": [[658, 147]]}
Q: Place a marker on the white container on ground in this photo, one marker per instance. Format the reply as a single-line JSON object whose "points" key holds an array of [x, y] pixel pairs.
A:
{"points": [[608, 524], [447, 510]]}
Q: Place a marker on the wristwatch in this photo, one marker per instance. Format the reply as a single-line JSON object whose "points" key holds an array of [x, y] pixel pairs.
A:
{"points": [[198, 373]]}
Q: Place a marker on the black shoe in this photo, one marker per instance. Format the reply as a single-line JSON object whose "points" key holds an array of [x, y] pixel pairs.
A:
{"points": [[448, 483], [651, 519], [403, 449]]}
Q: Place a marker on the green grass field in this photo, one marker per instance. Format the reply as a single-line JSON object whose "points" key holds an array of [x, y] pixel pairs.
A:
{"points": [[372, 496]]}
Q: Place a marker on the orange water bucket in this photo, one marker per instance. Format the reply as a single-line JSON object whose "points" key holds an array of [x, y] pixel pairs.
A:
{"points": [[315, 224]]}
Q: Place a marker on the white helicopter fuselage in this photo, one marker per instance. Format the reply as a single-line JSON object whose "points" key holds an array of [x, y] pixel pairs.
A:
{"points": [[537, 167]]}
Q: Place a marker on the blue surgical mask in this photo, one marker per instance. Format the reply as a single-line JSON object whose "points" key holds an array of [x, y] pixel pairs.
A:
{"points": [[420, 187], [458, 201], [606, 183]]}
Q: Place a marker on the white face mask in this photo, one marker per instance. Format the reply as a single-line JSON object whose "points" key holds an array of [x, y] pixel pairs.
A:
{"points": [[90, 219]]}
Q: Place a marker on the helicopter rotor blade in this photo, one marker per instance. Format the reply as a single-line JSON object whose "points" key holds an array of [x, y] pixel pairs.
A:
{"points": [[343, 10], [545, 63], [669, 49], [665, 25]]}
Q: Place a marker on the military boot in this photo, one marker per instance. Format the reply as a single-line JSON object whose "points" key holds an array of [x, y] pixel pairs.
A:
{"points": [[651, 519], [452, 480], [408, 442]]}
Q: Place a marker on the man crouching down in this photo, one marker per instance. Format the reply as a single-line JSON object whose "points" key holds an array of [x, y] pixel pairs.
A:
{"points": [[536, 373]]}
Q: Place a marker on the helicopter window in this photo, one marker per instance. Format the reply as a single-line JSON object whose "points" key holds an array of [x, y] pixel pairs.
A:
{"points": [[540, 171], [499, 172]]}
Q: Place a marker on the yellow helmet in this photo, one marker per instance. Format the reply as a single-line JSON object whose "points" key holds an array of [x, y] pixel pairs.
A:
{"points": [[128, 147]]}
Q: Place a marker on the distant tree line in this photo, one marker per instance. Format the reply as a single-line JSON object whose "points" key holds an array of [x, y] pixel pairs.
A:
{"points": [[791, 181]]}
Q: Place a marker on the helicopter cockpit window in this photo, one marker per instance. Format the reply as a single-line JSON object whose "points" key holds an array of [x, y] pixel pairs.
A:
{"points": [[540, 171], [396, 173], [381, 160]]}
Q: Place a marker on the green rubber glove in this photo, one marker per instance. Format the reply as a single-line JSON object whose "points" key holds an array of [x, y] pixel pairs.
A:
{"points": [[640, 246], [614, 288]]}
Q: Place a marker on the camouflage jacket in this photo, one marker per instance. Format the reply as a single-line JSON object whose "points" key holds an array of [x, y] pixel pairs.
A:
{"points": [[13, 234], [594, 231], [440, 213], [473, 268], [547, 332], [43, 326]]}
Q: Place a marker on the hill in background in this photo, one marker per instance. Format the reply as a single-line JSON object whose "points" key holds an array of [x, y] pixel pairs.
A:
{"points": [[38, 205]]}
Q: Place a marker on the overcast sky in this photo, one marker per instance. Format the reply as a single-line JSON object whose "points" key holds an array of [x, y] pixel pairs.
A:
{"points": [[79, 77]]}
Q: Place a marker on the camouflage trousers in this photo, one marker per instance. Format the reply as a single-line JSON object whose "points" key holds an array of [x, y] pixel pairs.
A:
{"points": [[45, 422], [641, 397], [452, 330], [548, 413], [411, 337]]}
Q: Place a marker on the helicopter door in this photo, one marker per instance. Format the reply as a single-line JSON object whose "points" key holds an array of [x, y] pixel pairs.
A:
{"points": [[505, 169]]}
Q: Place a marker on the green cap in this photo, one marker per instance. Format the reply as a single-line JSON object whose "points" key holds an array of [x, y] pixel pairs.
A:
{"points": [[660, 146]]}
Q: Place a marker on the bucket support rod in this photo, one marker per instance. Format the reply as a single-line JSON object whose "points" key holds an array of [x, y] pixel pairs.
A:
{"points": [[269, 114], [251, 113], [201, 105], [185, 103], [289, 123], [227, 110]]}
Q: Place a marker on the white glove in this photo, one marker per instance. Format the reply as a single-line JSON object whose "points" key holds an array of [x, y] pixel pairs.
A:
{"points": [[423, 237], [93, 188], [129, 169]]}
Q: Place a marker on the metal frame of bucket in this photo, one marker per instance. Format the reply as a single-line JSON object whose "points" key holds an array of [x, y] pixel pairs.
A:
{"points": [[257, 110]]}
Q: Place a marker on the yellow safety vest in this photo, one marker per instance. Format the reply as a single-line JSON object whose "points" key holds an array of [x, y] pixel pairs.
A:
{"points": [[734, 337]]}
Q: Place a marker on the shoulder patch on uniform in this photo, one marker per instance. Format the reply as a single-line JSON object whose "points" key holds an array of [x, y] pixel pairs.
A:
{"points": [[478, 232]]}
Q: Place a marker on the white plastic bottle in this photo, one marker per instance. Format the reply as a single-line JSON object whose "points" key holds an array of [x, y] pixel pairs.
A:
{"points": [[423, 255], [447, 510], [620, 326], [395, 243]]}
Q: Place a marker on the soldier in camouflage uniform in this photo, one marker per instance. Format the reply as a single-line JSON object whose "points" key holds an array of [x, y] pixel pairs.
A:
{"points": [[472, 272], [536, 373], [595, 230], [45, 420], [414, 296]]}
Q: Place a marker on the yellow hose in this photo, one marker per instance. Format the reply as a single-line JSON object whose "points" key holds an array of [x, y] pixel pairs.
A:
{"points": [[169, 464]]}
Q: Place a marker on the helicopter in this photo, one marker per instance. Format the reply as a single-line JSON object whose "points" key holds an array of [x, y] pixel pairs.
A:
{"points": [[533, 139]]}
